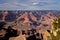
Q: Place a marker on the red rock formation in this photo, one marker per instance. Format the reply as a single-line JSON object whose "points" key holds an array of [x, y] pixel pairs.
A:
{"points": [[4, 13], [25, 17], [32, 17], [49, 17], [16, 12]]}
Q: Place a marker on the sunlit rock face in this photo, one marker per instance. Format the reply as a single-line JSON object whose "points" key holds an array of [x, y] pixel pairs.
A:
{"points": [[48, 17], [47, 20], [4, 14], [27, 18], [40, 21], [32, 16], [24, 16]]}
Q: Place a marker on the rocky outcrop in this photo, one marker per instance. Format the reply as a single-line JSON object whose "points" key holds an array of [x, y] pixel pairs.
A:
{"points": [[4, 14], [24, 17], [32, 16]]}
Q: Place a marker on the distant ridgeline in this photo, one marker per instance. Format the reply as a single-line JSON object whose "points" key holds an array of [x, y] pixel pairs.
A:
{"points": [[12, 14]]}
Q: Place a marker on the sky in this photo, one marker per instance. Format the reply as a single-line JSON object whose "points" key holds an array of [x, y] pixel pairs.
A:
{"points": [[29, 4]]}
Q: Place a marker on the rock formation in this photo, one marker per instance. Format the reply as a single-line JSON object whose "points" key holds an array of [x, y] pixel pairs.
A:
{"points": [[4, 13]]}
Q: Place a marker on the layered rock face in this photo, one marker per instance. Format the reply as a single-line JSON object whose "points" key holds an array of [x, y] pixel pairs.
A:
{"points": [[26, 23], [26, 17], [4, 14]]}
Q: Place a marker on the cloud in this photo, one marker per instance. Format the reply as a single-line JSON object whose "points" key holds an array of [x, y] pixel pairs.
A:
{"points": [[30, 4], [35, 3]]}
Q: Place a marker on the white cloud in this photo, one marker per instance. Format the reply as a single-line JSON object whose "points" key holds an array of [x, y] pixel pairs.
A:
{"points": [[35, 3]]}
